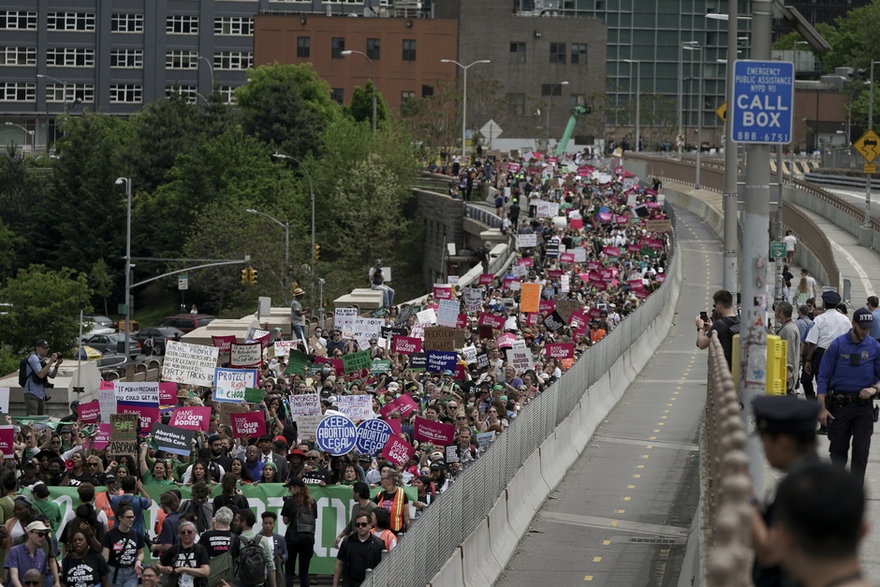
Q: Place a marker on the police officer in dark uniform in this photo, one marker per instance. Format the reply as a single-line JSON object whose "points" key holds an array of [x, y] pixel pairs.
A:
{"points": [[787, 426], [848, 383]]}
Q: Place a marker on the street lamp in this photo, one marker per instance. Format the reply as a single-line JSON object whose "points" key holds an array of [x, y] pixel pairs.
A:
{"points": [[867, 222], [372, 77], [549, 105], [681, 91], [128, 265], [699, 79], [464, 69], [31, 133], [638, 65], [280, 155], [286, 227], [210, 68]]}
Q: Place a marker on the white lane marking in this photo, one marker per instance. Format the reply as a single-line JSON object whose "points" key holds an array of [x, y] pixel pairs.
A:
{"points": [[863, 276]]}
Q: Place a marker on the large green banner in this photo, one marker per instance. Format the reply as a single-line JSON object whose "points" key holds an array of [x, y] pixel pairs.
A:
{"points": [[334, 509]]}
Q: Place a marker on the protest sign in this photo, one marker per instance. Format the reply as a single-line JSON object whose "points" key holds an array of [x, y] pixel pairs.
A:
{"points": [[296, 363], [224, 344], [560, 350], [147, 414], [406, 345], [245, 355], [520, 359], [307, 426], [250, 424], [439, 361], [282, 348], [101, 437], [336, 435], [505, 340], [7, 441], [397, 451], [443, 338], [89, 411], [427, 316], [356, 407], [254, 395], [547, 209], [107, 402], [496, 322], [343, 318], [404, 404], [167, 394], [452, 453], [469, 354], [171, 439], [304, 404], [486, 278], [372, 436], [192, 418], [530, 298], [137, 392], [447, 314], [418, 361], [189, 364], [227, 410], [484, 439], [564, 308], [380, 366], [352, 362], [231, 383], [526, 241], [4, 400], [482, 360], [473, 299], [123, 427], [434, 432], [442, 291], [364, 329], [658, 225]]}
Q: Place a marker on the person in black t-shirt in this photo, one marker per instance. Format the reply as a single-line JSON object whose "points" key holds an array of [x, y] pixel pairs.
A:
{"points": [[187, 559], [221, 539], [124, 549], [82, 567], [358, 552], [725, 323]]}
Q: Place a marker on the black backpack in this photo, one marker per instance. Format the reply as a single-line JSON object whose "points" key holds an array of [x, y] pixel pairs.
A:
{"points": [[200, 512], [23, 368], [251, 565]]}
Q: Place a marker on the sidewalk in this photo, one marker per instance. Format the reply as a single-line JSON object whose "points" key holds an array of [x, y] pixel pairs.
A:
{"points": [[857, 264]]}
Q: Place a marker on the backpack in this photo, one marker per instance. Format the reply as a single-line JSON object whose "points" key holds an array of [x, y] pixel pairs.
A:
{"points": [[200, 512], [251, 565], [378, 279], [23, 368], [305, 521]]}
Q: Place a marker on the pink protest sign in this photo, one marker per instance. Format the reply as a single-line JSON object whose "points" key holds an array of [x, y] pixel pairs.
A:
{"points": [[576, 223], [397, 451], [555, 273], [513, 167], [192, 418], [251, 424], [395, 425], [434, 432], [546, 306], [660, 277], [146, 414], [653, 205], [404, 404], [101, 437], [442, 292], [592, 265], [167, 393], [496, 322], [594, 313], [459, 372], [335, 363], [486, 278], [532, 318], [89, 411], [461, 322], [224, 343], [524, 262], [636, 284], [560, 350], [633, 248], [505, 340], [7, 437], [106, 386], [641, 293], [611, 251], [567, 257], [407, 345], [584, 171], [621, 219]]}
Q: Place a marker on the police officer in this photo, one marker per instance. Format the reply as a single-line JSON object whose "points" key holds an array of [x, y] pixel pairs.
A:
{"points": [[787, 426], [848, 382], [826, 327]]}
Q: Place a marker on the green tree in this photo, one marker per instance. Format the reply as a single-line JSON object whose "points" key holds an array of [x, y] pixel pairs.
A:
{"points": [[102, 282], [44, 304], [361, 106], [286, 106], [432, 120], [9, 243], [24, 209]]}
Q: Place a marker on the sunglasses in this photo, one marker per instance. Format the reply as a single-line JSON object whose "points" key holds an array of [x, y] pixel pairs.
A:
{"points": [[361, 524], [93, 464], [185, 532], [42, 534], [53, 442], [461, 417]]}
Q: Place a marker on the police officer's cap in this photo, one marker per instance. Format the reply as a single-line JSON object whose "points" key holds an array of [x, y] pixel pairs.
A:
{"points": [[863, 317], [830, 298], [784, 413]]}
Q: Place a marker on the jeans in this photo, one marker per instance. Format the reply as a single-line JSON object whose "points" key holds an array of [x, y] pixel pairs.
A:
{"points": [[304, 549], [387, 295], [299, 331], [34, 406], [123, 577]]}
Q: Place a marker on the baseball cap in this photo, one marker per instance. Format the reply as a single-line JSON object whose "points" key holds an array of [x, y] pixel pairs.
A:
{"points": [[42, 343], [295, 482], [298, 452], [863, 317]]}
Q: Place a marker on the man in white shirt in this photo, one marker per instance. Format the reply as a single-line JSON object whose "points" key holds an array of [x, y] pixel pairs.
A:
{"points": [[811, 283], [790, 241], [826, 327]]}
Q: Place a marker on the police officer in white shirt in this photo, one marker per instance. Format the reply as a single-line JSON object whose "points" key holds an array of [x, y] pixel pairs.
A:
{"points": [[826, 327]]}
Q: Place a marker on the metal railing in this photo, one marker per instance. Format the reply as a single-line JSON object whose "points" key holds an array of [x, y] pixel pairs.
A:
{"points": [[852, 181], [725, 483], [483, 215], [858, 214], [435, 536]]}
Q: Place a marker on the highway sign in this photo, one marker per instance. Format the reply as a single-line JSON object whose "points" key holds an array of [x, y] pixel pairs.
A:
{"points": [[763, 102], [869, 168], [777, 250], [722, 112], [868, 146]]}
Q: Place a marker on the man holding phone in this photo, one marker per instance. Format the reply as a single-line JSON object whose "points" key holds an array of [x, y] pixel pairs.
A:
{"points": [[724, 321], [38, 371]]}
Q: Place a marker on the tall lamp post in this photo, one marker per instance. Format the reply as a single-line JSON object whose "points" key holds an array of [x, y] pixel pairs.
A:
{"points": [[681, 49], [867, 222], [63, 101], [464, 69], [128, 265], [210, 69], [638, 65], [312, 197], [550, 104], [29, 132], [372, 77], [286, 227], [697, 178]]}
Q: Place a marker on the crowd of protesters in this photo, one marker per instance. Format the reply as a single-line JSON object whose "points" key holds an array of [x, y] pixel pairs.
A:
{"points": [[582, 225]]}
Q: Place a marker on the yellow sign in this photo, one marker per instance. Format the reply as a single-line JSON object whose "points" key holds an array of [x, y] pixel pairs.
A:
{"points": [[868, 146], [722, 112], [869, 168]]}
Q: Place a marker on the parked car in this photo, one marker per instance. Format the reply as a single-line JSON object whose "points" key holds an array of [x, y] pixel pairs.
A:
{"points": [[90, 330], [158, 336], [187, 322], [99, 320], [109, 343]]}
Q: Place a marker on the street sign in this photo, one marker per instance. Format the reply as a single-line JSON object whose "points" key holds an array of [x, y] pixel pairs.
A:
{"points": [[869, 168], [182, 281], [868, 146], [763, 102], [722, 112], [777, 250], [491, 130]]}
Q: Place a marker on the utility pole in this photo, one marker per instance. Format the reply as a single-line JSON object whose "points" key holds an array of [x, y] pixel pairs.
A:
{"points": [[731, 161]]}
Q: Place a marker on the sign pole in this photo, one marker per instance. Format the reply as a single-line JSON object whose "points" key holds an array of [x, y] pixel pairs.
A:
{"points": [[731, 161]]}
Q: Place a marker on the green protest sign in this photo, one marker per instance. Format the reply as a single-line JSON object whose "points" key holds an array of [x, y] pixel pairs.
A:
{"points": [[378, 366], [296, 363], [252, 395], [352, 362]]}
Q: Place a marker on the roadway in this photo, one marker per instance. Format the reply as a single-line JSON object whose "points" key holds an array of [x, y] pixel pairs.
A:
{"points": [[621, 514]]}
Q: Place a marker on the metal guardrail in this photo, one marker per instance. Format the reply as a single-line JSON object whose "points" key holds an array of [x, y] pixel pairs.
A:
{"points": [[435, 536], [841, 180], [725, 484], [858, 214], [481, 214]]}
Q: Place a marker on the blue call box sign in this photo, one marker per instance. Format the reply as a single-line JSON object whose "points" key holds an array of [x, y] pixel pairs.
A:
{"points": [[763, 102]]}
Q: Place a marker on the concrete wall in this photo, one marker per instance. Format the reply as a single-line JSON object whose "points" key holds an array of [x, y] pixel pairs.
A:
{"points": [[444, 223]]}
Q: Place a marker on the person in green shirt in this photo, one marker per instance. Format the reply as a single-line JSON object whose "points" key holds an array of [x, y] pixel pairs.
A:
{"points": [[46, 507], [160, 474]]}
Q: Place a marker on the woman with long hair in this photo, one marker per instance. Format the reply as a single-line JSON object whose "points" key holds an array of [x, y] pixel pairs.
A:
{"points": [[801, 294], [200, 474], [230, 496], [82, 565], [270, 474], [300, 513], [240, 471]]}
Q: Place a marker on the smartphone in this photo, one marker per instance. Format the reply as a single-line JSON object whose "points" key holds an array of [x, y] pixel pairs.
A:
{"points": [[704, 316]]}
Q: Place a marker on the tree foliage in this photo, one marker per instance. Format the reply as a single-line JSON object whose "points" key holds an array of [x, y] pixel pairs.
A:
{"points": [[361, 106], [44, 304], [102, 281], [23, 209]]}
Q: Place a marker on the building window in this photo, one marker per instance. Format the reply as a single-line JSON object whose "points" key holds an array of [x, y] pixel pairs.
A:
{"points": [[126, 58], [126, 94], [18, 92], [179, 59], [557, 52], [18, 20], [517, 52], [337, 46], [234, 26], [228, 94], [577, 100], [189, 92], [182, 24], [337, 94], [547, 88], [70, 93], [373, 47], [516, 104], [407, 96], [578, 53], [127, 23], [409, 49], [303, 46], [427, 91], [70, 57], [233, 60], [18, 55], [70, 21]]}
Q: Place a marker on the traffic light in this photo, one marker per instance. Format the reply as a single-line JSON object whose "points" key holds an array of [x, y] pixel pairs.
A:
{"points": [[253, 276], [317, 251], [245, 275]]}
